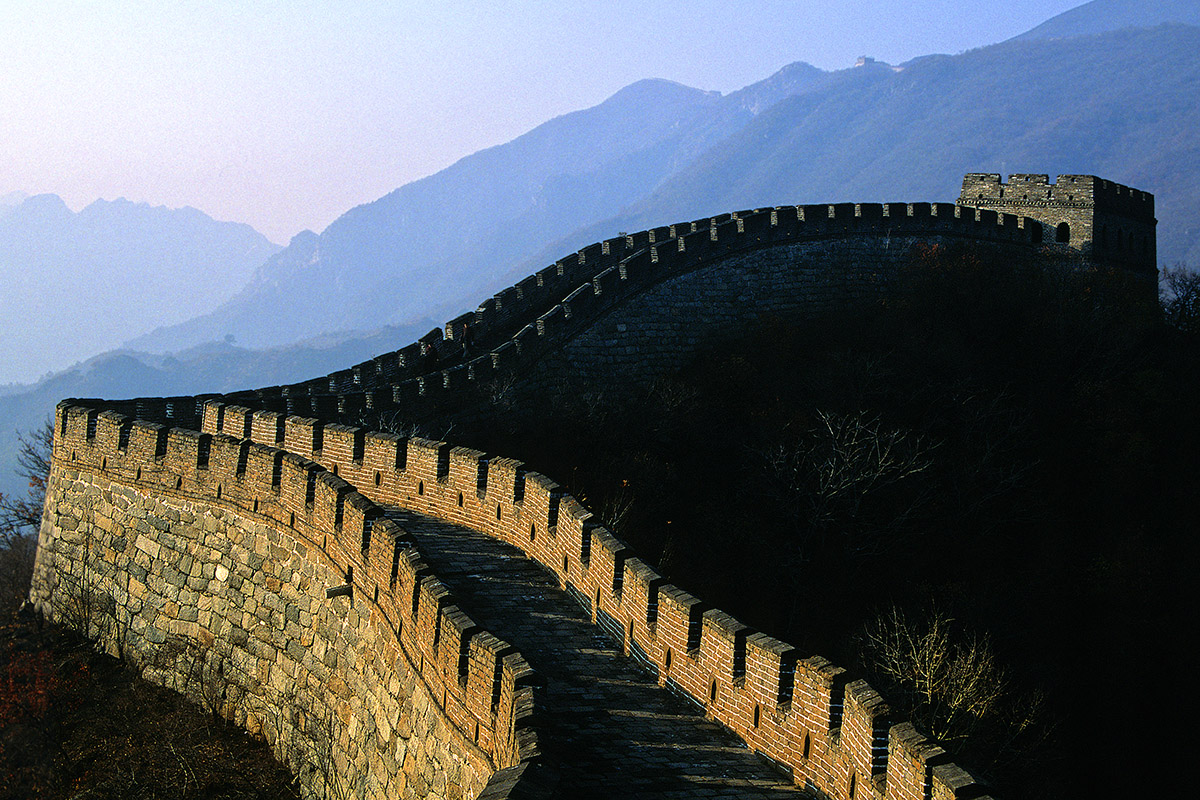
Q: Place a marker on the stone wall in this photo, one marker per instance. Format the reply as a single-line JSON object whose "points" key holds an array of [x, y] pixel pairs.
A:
{"points": [[250, 566], [835, 735], [652, 332], [512, 332], [272, 594], [1107, 222]]}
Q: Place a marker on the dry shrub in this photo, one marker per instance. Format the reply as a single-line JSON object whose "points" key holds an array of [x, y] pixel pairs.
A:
{"points": [[950, 683]]}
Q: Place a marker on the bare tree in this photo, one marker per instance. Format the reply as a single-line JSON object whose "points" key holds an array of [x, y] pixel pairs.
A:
{"points": [[952, 685], [1180, 297], [21, 516], [829, 479], [324, 764]]}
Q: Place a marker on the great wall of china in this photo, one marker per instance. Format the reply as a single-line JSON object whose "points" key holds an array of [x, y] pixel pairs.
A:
{"points": [[290, 573]]}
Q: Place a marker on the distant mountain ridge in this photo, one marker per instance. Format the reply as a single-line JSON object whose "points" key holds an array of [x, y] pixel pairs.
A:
{"points": [[1102, 16], [10, 201], [656, 151], [1120, 105], [78, 283], [213, 367], [432, 243]]}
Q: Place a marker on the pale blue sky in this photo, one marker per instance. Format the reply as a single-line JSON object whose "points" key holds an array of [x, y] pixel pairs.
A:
{"points": [[286, 113]]}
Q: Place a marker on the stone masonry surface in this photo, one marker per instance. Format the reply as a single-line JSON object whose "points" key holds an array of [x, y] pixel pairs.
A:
{"points": [[1108, 222], [231, 613]]}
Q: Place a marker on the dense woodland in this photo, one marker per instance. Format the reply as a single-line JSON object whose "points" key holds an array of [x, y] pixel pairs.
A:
{"points": [[978, 492]]}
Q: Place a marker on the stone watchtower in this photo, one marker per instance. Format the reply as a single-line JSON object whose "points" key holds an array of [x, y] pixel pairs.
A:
{"points": [[1107, 222]]}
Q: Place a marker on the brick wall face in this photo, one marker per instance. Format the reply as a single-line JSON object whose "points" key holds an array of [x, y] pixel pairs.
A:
{"points": [[653, 332], [518, 329], [1105, 221], [803, 713]]}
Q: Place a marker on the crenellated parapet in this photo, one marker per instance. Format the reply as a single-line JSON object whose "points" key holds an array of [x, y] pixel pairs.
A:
{"points": [[164, 504], [1108, 222], [833, 734], [481, 688], [512, 331]]}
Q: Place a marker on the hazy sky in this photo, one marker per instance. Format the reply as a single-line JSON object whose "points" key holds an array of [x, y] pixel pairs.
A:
{"points": [[286, 113]]}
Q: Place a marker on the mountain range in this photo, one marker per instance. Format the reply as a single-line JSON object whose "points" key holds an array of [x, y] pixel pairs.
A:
{"points": [[438, 242], [1119, 104], [75, 284], [1101, 16], [1108, 88]]}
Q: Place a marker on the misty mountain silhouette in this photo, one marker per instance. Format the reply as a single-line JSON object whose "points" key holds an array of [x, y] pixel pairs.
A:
{"points": [[1119, 104], [1086, 92], [1102, 16], [76, 284]]}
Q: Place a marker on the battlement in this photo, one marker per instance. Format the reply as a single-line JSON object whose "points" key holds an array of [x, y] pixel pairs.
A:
{"points": [[1107, 221], [292, 509], [512, 330], [802, 712], [279, 494], [1081, 190]]}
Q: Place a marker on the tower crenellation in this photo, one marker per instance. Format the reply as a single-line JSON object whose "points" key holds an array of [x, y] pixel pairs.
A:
{"points": [[1106, 221]]}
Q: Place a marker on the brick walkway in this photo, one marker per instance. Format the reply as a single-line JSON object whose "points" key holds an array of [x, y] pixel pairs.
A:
{"points": [[609, 728]]}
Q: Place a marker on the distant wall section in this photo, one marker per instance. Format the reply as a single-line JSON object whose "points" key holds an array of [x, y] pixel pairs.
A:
{"points": [[654, 332], [527, 327]]}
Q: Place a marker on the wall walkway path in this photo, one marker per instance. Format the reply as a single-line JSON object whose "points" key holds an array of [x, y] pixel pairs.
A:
{"points": [[608, 729]]}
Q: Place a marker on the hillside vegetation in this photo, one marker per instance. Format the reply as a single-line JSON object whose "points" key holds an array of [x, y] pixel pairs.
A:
{"points": [[78, 724]]}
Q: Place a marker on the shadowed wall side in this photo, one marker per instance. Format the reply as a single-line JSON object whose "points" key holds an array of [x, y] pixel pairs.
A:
{"points": [[251, 467]]}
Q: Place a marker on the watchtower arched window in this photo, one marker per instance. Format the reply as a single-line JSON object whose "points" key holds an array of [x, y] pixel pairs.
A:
{"points": [[1064, 233], [1035, 232]]}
